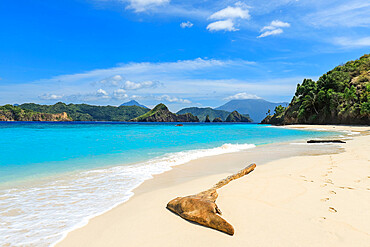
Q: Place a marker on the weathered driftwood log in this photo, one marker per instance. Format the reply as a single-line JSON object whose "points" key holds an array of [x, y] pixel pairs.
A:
{"points": [[202, 209], [325, 141]]}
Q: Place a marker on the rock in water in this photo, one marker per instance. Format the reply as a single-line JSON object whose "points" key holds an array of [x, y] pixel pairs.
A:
{"points": [[202, 209], [237, 117], [217, 120], [160, 113]]}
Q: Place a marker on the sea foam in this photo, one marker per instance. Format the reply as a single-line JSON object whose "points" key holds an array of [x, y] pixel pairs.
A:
{"points": [[43, 214]]}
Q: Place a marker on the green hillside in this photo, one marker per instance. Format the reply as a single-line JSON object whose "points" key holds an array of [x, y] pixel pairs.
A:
{"points": [[84, 112], [15, 113], [341, 96]]}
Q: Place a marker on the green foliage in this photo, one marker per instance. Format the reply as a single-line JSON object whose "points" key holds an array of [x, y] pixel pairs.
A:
{"points": [[84, 112], [15, 113], [339, 96], [279, 110]]}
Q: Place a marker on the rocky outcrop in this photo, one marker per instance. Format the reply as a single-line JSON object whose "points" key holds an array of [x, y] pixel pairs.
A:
{"points": [[15, 113], [202, 209], [217, 120], [237, 117], [160, 113], [207, 119]]}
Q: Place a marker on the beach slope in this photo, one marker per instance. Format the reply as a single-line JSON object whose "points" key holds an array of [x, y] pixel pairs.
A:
{"points": [[306, 200]]}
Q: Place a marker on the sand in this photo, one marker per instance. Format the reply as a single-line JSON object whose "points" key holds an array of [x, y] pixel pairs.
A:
{"points": [[299, 195]]}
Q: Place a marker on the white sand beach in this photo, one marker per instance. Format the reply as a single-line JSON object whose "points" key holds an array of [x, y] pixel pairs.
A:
{"points": [[319, 196]]}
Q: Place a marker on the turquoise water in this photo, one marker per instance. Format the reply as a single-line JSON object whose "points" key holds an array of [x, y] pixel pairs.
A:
{"points": [[31, 150], [55, 176]]}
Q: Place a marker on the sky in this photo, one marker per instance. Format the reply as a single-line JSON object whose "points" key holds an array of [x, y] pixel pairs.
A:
{"points": [[182, 53]]}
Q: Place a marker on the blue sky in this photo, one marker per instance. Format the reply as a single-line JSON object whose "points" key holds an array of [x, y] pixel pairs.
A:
{"points": [[181, 53]]}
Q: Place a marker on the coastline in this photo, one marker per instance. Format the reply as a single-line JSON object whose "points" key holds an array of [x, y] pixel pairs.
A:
{"points": [[123, 224]]}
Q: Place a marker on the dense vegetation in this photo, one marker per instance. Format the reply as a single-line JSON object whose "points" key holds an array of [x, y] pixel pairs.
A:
{"points": [[202, 113], [15, 113], [341, 96], [160, 113], [84, 112]]}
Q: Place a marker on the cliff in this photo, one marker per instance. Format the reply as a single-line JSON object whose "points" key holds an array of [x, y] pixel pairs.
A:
{"points": [[341, 96], [15, 113], [237, 117], [160, 113]]}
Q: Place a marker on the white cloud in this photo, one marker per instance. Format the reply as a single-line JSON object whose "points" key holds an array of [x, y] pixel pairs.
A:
{"points": [[230, 13], [102, 93], [226, 18], [173, 99], [242, 96], [272, 32], [120, 94], [111, 81], [274, 28], [129, 85], [187, 24], [50, 97], [352, 42], [144, 5], [226, 25]]}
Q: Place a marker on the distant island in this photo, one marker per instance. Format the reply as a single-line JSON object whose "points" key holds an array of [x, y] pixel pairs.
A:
{"points": [[15, 113], [341, 96], [84, 112], [160, 113], [202, 113]]}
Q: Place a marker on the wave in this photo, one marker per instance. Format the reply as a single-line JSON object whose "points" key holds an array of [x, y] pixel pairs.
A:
{"points": [[42, 215]]}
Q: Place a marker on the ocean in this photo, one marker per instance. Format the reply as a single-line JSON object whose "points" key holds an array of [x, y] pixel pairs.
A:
{"points": [[54, 177]]}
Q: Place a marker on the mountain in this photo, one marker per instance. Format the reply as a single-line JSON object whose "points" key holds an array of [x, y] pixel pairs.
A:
{"points": [[160, 113], [237, 117], [133, 103], [255, 108], [84, 112], [341, 96], [202, 113], [15, 113]]}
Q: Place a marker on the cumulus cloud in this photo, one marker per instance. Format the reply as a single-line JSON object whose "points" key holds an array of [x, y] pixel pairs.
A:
{"points": [[50, 97], [227, 17], [242, 96], [230, 13], [143, 5], [226, 25], [129, 85], [102, 93], [187, 24], [173, 99], [274, 28]]}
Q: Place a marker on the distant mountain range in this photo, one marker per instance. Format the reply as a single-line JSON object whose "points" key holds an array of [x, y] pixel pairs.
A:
{"points": [[133, 103], [202, 113], [255, 108]]}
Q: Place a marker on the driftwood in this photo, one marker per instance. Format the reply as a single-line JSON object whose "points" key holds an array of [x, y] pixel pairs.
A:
{"points": [[325, 141], [202, 209]]}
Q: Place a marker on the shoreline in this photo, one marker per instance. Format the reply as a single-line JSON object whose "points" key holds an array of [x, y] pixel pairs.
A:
{"points": [[185, 173]]}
